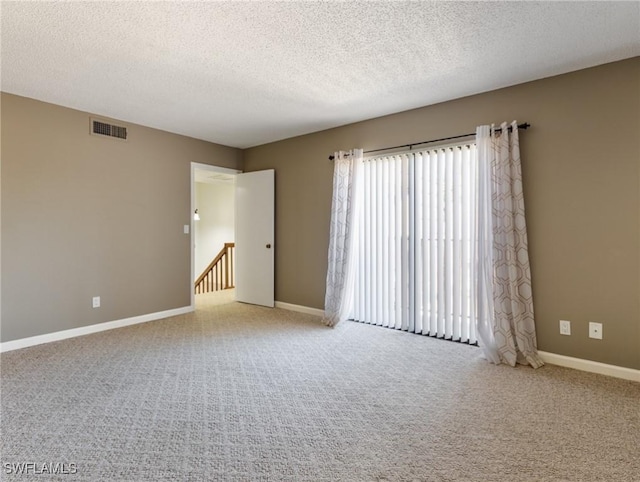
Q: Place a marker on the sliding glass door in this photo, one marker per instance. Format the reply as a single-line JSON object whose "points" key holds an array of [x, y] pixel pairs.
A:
{"points": [[417, 239]]}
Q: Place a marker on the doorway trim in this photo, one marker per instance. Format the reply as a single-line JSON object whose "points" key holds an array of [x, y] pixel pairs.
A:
{"points": [[203, 167]]}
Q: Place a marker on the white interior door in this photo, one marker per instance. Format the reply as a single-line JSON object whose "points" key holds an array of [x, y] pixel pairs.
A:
{"points": [[255, 215]]}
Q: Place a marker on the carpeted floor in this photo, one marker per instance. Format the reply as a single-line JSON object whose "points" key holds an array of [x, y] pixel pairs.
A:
{"points": [[237, 392]]}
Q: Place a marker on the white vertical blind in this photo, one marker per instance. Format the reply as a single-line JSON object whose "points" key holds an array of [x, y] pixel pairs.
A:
{"points": [[416, 269]]}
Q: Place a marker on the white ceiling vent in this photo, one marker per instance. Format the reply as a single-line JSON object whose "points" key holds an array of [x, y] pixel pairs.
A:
{"points": [[101, 128]]}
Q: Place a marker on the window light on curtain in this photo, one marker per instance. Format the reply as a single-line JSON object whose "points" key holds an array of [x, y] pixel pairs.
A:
{"points": [[417, 238]]}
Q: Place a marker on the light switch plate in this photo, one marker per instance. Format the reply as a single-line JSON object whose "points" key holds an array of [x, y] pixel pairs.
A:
{"points": [[186, 229], [96, 302], [565, 327]]}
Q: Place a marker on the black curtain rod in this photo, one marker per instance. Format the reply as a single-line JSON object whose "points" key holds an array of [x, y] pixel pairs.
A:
{"points": [[526, 125]]}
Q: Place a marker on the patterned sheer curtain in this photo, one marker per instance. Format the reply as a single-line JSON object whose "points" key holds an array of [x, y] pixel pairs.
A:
{"points": [[505, 324], [343, 233]]}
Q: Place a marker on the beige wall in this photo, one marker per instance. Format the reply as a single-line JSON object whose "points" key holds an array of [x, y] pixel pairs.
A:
{"points": [[581, 169], [216, 204], [86, 216]]}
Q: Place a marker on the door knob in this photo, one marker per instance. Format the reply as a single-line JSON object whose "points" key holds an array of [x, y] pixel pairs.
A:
{"points": [[268, 246]]}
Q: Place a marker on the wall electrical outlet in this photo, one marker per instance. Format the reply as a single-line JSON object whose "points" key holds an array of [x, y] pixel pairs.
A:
{"points": [[565, 327], [96, 302], [595, 330]]}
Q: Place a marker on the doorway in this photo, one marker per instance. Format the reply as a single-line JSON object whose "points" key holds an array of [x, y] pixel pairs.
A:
{"points": [[213, 215], [254, 232]]}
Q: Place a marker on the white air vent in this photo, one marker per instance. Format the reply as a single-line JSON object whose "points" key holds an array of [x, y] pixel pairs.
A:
{"points": [[100, 128]]}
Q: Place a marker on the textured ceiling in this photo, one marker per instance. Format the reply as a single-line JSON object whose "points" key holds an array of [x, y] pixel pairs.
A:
{"points": [[247, 73], [212, 177]]}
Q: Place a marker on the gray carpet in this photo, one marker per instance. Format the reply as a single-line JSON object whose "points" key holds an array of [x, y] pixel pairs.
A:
{"points": [[240, 393]]}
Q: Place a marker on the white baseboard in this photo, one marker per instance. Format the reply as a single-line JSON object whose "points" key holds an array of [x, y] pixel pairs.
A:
{"points": [[86, 330], [590, 366], [299, 308]]}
